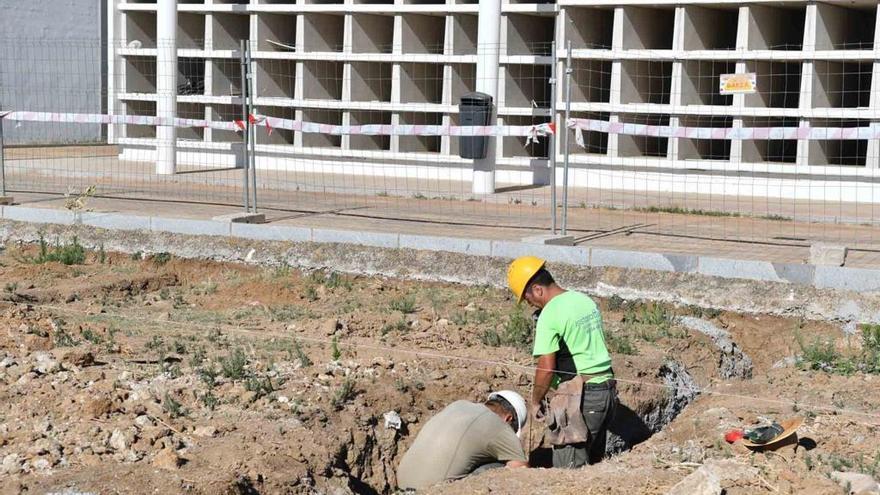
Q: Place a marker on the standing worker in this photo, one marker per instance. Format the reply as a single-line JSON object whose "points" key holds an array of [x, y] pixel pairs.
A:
{"points": [[573, 358]]}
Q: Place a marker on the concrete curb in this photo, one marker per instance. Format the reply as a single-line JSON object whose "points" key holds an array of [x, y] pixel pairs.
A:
{"points": [[822, 277]]}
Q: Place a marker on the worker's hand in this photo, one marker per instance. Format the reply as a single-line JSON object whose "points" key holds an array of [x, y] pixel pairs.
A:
{"points": [[538, 412]]}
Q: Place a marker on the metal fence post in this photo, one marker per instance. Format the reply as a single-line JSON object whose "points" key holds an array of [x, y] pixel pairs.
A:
{"points": [[252, 136], [565, 140], [245, 133], [552, 147]]}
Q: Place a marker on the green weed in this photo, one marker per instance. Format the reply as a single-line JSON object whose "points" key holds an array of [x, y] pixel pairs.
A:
{"points": [[334, 349], [300, 355], [233, 365], [343, 394], [172, 407], [67, 254], [620, 344], [405, 304]]}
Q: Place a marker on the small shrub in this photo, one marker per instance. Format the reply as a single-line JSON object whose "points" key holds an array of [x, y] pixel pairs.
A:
{"points": [[209, 400], [406, 305], [399, 326], [197, 357], [155, 343], [91, 336], [233, 365], [208, 376], [343, 394], [334, 349], [335, 280], [260, 386], [172, 407], [620, 344], [161, 258], [137, 256], [311, 293], [300, 355], [67, 254], [10, 287], [615, 303], [490, 338], [102, 255]]}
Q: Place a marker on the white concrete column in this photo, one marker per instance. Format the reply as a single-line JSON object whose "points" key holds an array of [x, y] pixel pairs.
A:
{"points": [[739, 100], [872, 160], [616, 78], [675, 87], [488, 57], [805, 102], [166, 85]]}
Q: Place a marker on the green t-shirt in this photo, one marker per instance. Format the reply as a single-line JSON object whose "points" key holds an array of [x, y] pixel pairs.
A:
{"points": [[571, 326]]}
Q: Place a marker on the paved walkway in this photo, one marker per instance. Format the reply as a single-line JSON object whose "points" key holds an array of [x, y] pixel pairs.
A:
{"points": [[741, 228]]}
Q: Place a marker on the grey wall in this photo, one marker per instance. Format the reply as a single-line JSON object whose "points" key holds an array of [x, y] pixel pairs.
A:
{"points": [[52, 58]]}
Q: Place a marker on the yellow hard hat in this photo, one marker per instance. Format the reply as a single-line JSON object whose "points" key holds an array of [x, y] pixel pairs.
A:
{"points": [[519, 273]]}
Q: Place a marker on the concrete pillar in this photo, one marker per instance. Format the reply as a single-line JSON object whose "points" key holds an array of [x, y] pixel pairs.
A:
{"points": [[872, 160], [675, 98], [166, 85], [739, 100], [616, 76], [805, 102], [488, 57]]}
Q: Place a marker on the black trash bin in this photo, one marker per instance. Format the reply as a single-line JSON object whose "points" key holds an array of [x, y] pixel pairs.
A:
{"points": [[474, 109]]}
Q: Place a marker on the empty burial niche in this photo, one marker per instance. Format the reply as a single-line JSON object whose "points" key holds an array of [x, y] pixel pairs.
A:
{"points": [[322, 80], [769, 150], [140, 75], [423, 33], [776, 28], [275, 30], [147, 108], [516, 146], [849, 27], [372, 33], [529, 34], [647, 28], [464, 81], [229, 30], [323, 32], [700, 84], [779, 84], [425, 2], [643, 146], [589, 27], [841, 84], [527, 86], [370, 143], [464, 34], [371, 81], [278, 136], [591, 80], [322, 116], [421, 83], [140, 27], [710, 28], [190, 30], [225, 113], [420, 144], [191, 111], [275, 79], [842, 152], [374, 2], [226, 80], [704, 149], [645, 81], [190, 76], [595, 143]]}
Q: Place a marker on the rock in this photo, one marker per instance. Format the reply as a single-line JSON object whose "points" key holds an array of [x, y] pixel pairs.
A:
{"points": [[472, 306], [45, 363], [858, 483], [25, 378], [731, 470], [330, 326], [41, 464], [167, 459], [442, 322], [701, 482], [120, 440], [78, 357], [7, 362], [11, 464], [98, 408], [205, 431], [437, 375], [827, 254], [143, 421]]}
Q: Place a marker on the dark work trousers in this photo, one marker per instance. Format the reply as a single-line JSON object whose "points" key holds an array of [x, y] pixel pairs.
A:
{"points": [[598, 404]]}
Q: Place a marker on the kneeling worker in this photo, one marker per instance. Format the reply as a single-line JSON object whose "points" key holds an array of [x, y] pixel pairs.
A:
{"points": [[464, 438], [570, 347]]}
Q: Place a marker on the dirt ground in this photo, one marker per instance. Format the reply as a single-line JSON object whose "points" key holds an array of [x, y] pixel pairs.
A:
{"points": [[149, 374]]}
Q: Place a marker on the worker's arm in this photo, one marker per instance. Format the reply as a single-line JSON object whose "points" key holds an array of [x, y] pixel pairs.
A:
{"points": [[517, 464], [543, 378]]}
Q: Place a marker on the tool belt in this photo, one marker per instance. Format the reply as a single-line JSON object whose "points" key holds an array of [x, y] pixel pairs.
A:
{"points": [[566, 419]]}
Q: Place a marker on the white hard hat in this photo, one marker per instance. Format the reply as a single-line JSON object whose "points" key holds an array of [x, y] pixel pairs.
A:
{"points": [[518, 403]]}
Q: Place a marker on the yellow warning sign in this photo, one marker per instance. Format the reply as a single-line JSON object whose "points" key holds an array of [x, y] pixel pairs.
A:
{"points": [[732, 84]]}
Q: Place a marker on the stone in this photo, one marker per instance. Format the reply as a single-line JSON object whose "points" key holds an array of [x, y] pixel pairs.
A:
{"points": [[143, 421], [120, 440], [167, 459], [330, 326], [78, 357], [827, 254], [98, 408], [858, 483], [701, 482], [205, 431], [7, 362], [11, 464], [41, 464], [45, 363], [438, 375]]}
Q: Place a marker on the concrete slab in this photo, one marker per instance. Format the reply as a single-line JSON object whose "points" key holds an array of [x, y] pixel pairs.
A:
{"points": [[376, 239], [187, 226], [572, 255], [241, 217], [38, 215], [796, 273], [827, 254], [478, 247], [855, 279], [271, 232], [745, 269], [550, 239], [114, 221], [642, 260]]}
